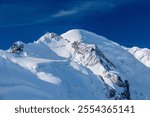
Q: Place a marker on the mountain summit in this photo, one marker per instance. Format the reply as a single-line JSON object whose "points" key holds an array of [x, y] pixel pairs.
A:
{"points": [[75, 65]]}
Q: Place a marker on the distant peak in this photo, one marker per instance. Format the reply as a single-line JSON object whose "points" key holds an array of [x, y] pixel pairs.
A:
{"points": [[17, 47], [142, 54], [48, 37]]}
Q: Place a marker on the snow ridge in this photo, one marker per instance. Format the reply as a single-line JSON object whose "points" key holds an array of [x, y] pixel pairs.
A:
{"points": [[75, 65], [143, 55]]}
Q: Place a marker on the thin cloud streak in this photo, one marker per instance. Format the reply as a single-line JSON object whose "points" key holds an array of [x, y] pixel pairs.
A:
{"points": [[79, 7], [62, 13], [83, 6]]}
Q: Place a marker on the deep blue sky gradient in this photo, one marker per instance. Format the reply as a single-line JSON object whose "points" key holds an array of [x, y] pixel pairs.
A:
{"points": [[126, 22]]}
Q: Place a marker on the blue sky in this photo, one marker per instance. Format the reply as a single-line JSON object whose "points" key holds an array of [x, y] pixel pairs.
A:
{"points": [[124, 21]]}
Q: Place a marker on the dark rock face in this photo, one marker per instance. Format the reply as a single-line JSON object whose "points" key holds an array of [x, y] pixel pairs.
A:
{"points": [[91, 55], [110, 92], [124, 95], [126, 92], [16, 48]]}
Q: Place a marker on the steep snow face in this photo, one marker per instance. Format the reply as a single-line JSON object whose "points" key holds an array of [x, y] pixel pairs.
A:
{"points": [[106, 59], [56, 43], [143, 55], [123, 67], [75, 65], [24, 77]]}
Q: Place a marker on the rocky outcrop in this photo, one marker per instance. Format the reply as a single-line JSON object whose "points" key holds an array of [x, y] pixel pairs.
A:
{"points": [[17, 47], [90, 55]]}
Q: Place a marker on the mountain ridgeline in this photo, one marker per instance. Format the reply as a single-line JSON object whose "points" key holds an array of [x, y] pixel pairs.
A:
{"points": [[78, 65]]}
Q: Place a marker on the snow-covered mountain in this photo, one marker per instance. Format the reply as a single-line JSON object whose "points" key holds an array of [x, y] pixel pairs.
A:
{"points": [[75, 65], [142, 54]]}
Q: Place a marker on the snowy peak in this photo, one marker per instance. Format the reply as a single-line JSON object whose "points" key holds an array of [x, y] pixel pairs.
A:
{"points": [[68, 64], [81, 35], [73, 35], [48, 37], [143, 55], [72, 45]]}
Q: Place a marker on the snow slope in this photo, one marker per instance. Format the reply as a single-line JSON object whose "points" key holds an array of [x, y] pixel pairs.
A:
{"points": [[75, 65], [143, 55]]}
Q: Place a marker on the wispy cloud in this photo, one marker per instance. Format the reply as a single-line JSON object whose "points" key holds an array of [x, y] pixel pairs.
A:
{"points": [[65, 13], [81, 6], [90, 5], [77, 7]]}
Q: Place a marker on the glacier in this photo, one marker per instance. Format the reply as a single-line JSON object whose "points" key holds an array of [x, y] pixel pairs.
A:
{"points": [[76, 65]]}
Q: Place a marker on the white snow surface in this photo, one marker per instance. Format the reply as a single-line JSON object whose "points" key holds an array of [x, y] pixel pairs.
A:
{"points": [[50, 68], [142, 54]]}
